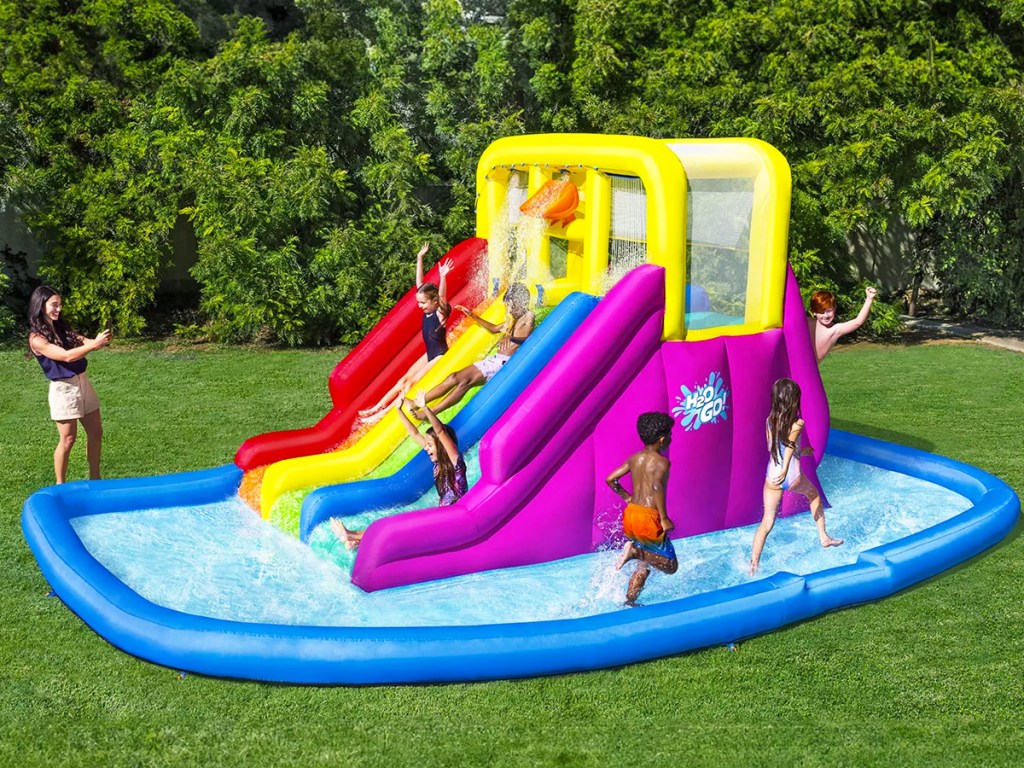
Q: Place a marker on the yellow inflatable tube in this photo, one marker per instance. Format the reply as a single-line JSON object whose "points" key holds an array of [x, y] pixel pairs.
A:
{"points": [[383, 438], [771, 183], [593, 157]]}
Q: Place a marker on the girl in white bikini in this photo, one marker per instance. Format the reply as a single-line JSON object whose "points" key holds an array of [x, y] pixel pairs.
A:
{"points": [[782, 431]]}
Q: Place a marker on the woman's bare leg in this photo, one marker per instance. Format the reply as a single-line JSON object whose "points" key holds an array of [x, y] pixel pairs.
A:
{"points": [[454, 388], [93, 442], [465, 380], [772, 496], [441, 389], [628, 553], [803, 486], [636, 582], [646, 559], [67, 432], [410, 377]]}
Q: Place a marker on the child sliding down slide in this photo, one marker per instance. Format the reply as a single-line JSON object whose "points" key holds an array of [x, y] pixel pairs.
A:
{"points": [[518, 326], [433, 301], [442, 446]]}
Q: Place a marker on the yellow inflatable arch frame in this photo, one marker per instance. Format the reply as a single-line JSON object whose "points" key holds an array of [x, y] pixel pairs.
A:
{"points": [[771, 179], [590, 159], [663, 166]]}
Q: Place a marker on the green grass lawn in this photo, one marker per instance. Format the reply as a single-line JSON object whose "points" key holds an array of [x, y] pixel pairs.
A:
{"points": [[933, 676]]}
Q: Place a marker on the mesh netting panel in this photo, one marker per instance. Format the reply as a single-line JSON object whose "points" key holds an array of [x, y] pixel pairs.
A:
{"points": [[629, 209], [718, 245], [559, 258], [515, 195], [628, 245]]}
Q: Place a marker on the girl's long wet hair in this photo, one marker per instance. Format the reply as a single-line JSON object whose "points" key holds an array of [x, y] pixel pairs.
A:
{"points": [[784, 414], [60, 333], [445, 468]]}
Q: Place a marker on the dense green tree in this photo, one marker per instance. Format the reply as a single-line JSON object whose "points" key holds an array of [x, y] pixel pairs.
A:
{"points": [[72, 75], [120, 135], [6, 316], [313, 143], [895, 110], [258, 142], [470, 98]]}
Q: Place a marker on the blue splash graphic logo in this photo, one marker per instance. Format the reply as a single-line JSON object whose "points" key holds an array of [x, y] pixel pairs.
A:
{"points": [[707, 404]]}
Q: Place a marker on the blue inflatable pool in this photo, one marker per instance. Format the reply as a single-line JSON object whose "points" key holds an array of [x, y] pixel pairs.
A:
{"points": [[404, 654]]}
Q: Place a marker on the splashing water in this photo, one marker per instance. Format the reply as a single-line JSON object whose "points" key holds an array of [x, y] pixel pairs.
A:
{"points": [[627, 246]]}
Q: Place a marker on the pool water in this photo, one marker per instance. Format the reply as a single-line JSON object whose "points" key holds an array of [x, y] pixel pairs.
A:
{"points": [[223, 561]]}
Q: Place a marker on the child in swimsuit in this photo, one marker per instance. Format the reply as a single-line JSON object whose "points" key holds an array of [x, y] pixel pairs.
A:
{"points": [[432, 300], [782, 431], [645, 521], [442, 446], [825, 334], [518, 326]]}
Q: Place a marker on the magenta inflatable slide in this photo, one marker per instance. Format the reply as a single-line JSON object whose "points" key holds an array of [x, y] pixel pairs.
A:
{"points": [[542, 496]]}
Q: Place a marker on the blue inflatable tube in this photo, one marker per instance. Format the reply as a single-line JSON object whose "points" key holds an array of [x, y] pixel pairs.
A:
{"points": [[416, 477], [359, 655]]}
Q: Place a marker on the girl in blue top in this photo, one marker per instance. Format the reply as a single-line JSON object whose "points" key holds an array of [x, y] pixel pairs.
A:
{"points": [[61, 354], [433, 302], [442, 446]]}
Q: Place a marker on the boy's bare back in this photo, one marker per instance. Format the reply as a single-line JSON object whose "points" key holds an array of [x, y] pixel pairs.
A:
{"points": [[648, 471]]}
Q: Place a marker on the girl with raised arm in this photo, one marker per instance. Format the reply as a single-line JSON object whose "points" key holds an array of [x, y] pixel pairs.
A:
{"points": [[519, 324], [433, 302]]}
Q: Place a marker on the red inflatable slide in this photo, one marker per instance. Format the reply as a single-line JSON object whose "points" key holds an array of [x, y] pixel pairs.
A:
{"points": [[373, 366]]}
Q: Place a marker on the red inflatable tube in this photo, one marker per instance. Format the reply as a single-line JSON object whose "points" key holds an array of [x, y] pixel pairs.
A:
{"points": [[372, 367]]}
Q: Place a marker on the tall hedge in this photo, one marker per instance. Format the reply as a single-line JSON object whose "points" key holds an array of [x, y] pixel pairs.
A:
{"points": [[313, 145]]}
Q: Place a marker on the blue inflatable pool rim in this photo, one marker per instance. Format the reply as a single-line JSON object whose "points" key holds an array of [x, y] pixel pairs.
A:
{"points": [[367, 655]]}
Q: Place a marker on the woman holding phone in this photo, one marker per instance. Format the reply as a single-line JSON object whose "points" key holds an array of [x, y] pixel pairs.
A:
{"points": [[61, 354]]}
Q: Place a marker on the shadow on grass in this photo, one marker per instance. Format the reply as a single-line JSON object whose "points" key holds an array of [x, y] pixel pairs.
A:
{"points": [[887, 435]]}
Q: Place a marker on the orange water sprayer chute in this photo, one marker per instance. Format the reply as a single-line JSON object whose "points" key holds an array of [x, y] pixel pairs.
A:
{"points": [[555, 201]]}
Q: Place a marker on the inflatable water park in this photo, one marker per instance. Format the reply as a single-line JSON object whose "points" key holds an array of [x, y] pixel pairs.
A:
{"points": [[658, 273]]}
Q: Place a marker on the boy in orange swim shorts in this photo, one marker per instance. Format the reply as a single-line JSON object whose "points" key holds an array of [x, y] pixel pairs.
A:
{"points": [[645, 522]]}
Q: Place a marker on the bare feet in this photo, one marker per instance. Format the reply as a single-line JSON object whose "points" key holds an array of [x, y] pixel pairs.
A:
{"points": [[374, 417], [367, 412], [344, 533], [628, 553], [753, 568], [830, 542]]}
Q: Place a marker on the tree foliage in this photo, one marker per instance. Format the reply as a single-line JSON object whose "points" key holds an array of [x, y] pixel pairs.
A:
{"points": [[890, 110], [72, 73], [312, 144]]}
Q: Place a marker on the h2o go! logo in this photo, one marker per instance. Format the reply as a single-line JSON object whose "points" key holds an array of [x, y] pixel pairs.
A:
{"points": [[704, 404]]}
